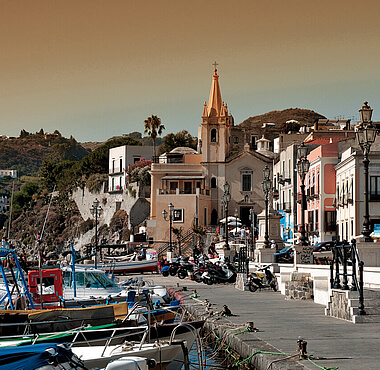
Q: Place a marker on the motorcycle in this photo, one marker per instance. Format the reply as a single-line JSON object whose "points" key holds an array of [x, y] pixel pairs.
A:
{"points": [[185, 269], [262, 278], [224, 273]]}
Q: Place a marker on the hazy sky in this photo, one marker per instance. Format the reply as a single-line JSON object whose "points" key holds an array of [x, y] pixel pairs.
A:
{"points": [[96, 69]]}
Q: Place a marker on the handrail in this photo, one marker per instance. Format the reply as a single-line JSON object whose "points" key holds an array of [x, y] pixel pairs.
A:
{"points": [[341, 252]]}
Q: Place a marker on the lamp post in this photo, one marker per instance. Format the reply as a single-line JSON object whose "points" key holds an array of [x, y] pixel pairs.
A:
{"points": [[365, 136], [95, 210], [252, 219], [226, 197], [266, 186], [165, 215], [303, 166]]}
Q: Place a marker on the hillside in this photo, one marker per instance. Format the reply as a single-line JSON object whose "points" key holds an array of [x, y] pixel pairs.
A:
{"points": [[26, 152], [303, 116]]}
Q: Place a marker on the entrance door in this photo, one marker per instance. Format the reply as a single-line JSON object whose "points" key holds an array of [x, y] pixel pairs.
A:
{"points": [[244, 216]]}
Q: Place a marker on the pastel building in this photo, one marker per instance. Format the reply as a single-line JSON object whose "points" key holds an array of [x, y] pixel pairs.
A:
{"points": [[320, 181]]}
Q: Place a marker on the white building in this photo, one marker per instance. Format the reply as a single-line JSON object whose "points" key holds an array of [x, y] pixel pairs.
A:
{"points": [[11, 173], [120, 158], [349, 197]]}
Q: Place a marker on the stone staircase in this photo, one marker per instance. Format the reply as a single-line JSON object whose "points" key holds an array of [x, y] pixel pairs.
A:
{"points": [[344, 304]]}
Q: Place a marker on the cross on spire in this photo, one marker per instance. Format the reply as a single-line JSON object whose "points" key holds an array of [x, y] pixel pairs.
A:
{"points": [[215, 64]]}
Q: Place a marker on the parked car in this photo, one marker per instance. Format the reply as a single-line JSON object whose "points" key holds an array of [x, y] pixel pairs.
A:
{"points": [[323, 252]]}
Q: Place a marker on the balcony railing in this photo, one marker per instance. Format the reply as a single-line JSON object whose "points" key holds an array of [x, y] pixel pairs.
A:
{"points": [[116, 170], [184, 191]]}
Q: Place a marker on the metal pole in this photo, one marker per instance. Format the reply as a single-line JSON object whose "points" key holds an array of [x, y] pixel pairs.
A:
{"points": [[303, 233], [96, 237], [366, 230], [226, 209], [170, 229], [266, 220]]}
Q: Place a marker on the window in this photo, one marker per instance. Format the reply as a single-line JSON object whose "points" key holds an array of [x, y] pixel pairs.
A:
{"points": [[136, 159], [246, 181], [173, 186], [121, 164], [330, 221], [254, 142], [236, 140], [187, 187], [113, 165], [213, 135], [213, 182], [178, 215], [374, 188]]}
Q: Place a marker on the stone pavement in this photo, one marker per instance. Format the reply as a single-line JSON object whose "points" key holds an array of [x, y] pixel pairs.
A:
{"points": [[332, 343]]}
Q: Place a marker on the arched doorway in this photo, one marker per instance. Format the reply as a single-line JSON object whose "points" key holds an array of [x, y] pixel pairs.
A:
{"points": [[214, 217]]}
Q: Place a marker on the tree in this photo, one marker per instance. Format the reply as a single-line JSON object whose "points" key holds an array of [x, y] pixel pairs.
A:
{"points": [[177, 231], [154, 128], [181, 138]]}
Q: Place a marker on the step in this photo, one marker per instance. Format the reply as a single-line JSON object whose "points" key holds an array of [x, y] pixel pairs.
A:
{"points": [[370, 302], [365, 319], [368, 310], [368, 293]]}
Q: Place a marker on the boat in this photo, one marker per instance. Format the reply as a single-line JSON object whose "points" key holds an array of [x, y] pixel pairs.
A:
{"points": [[48, 356], [115, 333], [59, 319], [125, 265]]}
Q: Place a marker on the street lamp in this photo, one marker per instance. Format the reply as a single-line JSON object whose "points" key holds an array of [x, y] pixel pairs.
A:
{"points": [[365, 136], [252, 219], [303, 166], [266, 186], [165, 215], [226, 197], [95, 210]]}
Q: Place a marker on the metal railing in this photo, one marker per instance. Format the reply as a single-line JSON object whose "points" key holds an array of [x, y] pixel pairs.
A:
{"points": [[243, 260], [186, 236], [345, 254]]}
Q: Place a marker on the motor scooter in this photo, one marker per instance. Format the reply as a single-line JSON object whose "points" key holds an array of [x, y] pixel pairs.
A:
{"points": [[224, 273], [262, 278]]}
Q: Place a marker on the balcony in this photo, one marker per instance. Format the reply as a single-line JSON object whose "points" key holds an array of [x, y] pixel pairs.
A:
{"points": [[178, 191], [115, 170]]}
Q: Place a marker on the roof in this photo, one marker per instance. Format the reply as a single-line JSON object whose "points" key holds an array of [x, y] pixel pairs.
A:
{"points": [[184, 150]]}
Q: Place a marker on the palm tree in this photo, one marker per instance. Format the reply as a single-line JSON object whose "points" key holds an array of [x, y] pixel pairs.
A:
{"points": [[177, 231], [153, 127]]}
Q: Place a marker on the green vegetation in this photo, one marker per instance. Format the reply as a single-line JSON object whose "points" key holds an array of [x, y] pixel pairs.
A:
{"points": [[75, 173], [154, 128], [181, 138]]}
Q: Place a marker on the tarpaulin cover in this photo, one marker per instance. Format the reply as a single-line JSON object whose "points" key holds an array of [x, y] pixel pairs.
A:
{"points": [[33, 356]]}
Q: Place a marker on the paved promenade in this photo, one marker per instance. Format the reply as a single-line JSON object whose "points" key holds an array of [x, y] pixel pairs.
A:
{"points": [[332, 343]]}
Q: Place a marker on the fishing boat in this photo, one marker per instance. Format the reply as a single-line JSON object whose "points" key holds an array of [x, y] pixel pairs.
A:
{"points": [[115, 333], [48, 356], [126, 265], [49, 320]]}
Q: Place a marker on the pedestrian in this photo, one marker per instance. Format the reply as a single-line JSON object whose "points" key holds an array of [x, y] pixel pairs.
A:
{"points": [[212, 251], [242, 233]]}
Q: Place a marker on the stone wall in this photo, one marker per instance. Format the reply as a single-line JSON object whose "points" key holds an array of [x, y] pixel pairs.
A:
{"points": [[338, 306], [299, 287]]}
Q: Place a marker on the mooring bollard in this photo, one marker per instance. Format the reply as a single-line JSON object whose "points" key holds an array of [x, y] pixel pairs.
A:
{"points": [[302, 348]]}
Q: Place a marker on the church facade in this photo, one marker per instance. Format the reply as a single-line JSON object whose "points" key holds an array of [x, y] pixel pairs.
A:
{"points": [[193, 181]]}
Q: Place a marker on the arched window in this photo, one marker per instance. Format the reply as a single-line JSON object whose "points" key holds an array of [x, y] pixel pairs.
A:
{"points": [[213, 182], [213, 135]]}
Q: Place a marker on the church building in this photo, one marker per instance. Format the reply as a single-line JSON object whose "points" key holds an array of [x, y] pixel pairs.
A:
{"points": [[192, 182]]}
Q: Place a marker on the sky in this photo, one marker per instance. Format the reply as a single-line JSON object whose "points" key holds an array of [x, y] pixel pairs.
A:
{"points": [[96, 69]]}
